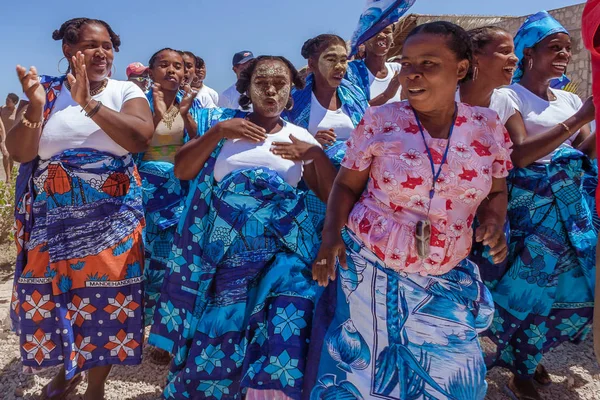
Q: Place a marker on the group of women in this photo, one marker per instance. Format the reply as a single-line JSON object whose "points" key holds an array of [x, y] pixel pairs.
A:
{"points": [[317, 246]]}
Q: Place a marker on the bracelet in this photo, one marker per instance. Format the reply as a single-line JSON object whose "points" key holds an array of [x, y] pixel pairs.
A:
{"points": [[94, 110], [566, 127], [31, 125], [86, 106]]}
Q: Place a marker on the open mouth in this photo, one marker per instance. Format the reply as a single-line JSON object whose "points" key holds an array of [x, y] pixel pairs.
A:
{"points": [[510, 70], [560, 66], [416, 91], [382, 44], [170, 79]]}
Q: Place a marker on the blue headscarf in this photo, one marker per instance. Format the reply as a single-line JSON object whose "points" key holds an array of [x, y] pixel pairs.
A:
{"points": [[377, 15], [535, 29]]}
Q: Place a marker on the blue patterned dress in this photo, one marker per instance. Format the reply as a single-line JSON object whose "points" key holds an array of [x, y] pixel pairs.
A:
{"points": [[545, 296], [238, 297], [77, 298], [163, 196], [388, 335]]}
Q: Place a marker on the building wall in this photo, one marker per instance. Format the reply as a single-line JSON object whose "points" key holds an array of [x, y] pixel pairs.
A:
{"points": [[580, 68]]}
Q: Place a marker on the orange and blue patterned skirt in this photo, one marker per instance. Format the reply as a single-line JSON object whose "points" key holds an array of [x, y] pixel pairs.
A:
{"points": [[77, 299]]}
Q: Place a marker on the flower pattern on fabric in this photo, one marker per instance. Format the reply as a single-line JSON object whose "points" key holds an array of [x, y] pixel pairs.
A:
{"points": [[82, 350], [284, 368], [122, 345], [289, 321], [80, 310], [210, 358], [397, 194], [37, 307], [38, 346], [121, 307]]}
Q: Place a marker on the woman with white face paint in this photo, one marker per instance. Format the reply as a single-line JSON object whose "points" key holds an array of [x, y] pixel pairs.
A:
{"points": [[240, 265]]}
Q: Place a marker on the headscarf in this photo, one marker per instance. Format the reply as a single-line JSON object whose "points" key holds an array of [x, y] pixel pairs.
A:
{"points": [[377, 15], [535, 29]]}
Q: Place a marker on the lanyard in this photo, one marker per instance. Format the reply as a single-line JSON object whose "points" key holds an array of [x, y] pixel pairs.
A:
{"points": [[436, 175]]}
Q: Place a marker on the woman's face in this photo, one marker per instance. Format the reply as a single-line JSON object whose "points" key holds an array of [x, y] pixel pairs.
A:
{"points": [[201, 73], [331, 65], [381, 43], [97, 48], [270, 88], [550, 57], [430, 71], [168, 70], [189, 68], [496, 62]]}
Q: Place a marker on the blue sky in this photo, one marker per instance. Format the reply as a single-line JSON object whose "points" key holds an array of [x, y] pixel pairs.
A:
{"points": [[212, 29]]}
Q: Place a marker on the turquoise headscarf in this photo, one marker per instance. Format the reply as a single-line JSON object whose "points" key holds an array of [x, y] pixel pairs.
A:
{"points": [[535, 29], [376, 16]]}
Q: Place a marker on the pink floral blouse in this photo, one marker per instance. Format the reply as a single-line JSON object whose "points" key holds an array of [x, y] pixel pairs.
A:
{"points": [[388, 141]]}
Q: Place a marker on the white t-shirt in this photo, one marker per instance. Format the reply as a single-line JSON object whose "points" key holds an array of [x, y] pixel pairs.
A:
{"points": [[205, 98], [540, 115], [500, 102], [230, 98], [322, 119], [212, 93], [378, 86], [239, 154], [69, 128]]}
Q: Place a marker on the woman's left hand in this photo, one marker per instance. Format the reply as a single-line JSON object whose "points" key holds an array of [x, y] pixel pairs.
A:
{"points": [[492, 235], [188, 99], [80, 85], [295, 151]]}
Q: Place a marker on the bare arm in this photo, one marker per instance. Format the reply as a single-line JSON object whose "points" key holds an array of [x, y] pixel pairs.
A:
{"points": [[22, 142], [347, 189], [388, 93], [2, 132], [190, 159], [588, 145], [528, 149], [320, 174], [492, 216], [131, 128]]}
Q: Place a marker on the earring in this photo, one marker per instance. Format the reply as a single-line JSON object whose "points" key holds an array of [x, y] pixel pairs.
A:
{"points": [[475, 72], [290, 105], [530, 65], [58, 66]]}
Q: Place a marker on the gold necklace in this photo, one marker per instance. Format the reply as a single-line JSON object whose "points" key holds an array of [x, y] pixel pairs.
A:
{"points": [[94, 92], [170, 116]]}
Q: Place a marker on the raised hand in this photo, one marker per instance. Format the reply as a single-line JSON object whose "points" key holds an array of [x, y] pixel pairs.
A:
{"points": [[188, 99], [30, 83], [393, 86], [587, 110], [160, 107], [295, 151], [80, 85], [239, 128]]}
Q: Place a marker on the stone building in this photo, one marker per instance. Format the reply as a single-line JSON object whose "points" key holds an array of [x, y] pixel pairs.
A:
{"points": [[580, 68]]}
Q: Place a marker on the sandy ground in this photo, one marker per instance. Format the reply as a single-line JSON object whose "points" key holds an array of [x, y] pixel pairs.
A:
{"points": [[574, 370]]}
